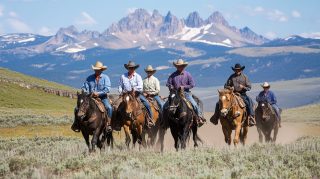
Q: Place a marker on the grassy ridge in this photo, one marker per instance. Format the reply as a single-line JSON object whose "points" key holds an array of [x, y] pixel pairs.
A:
{"points": [[21, 106], [309, 114], [15, 76], [67, 157]]}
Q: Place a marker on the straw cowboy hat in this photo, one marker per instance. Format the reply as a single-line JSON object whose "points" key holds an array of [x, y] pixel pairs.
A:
{"points": [[180, 62], [99, 66], [265, 85], [150, 69], [131, 64], [238, 67]]}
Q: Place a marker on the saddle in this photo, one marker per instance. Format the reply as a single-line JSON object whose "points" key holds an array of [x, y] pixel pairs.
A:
{"points": [[154, 103], [239, 100], [186, 101], [100, 104]]}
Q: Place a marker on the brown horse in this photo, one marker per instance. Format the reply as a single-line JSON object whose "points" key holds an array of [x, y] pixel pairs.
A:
{"points": [[91, 121], [153, 131], [133, 116], [266, 122], [232, 117]]}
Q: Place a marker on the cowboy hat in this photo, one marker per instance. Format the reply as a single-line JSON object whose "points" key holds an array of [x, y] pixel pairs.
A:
{"points": [[265, 85], [238, 67], [150, 69], [131, 64], [180, 62], [99, 66]]}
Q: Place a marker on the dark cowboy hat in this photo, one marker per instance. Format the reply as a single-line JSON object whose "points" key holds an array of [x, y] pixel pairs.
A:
{"points": [[238, 67], [131, 64]]}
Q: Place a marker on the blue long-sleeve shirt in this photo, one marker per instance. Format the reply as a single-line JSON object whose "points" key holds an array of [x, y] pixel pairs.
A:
{"points": [[126, 84], [101, 86], [268, 96]]}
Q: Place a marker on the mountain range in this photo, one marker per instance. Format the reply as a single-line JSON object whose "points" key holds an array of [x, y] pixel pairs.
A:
{"points": [[210, 46]]}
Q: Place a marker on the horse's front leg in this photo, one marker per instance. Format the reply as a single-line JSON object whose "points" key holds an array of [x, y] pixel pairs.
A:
{"points": [[86, 138], [95, 139], [275, 132], [244, 134], [260, 134], [194, 135], [127, 132], [237, 133]]}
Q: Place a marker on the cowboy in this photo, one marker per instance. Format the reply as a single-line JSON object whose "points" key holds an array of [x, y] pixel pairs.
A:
{"points": [[132, 81], [182, 80], [240, 83], [268, 96], [99, 85], [151, 86]]}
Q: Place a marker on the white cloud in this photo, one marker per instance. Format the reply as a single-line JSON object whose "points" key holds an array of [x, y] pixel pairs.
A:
{"points": [[131, 10], [19, 26], [86, 19], [271, 35], [277, 15], [46, 31], [296, 14], [13, 14], [271, 14], [258, 9]]}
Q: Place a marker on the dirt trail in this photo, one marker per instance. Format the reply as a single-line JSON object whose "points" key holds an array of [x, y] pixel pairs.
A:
{"points": [[212, 135]]}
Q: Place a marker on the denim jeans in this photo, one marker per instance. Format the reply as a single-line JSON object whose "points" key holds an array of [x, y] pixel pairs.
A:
{"points": [[277, 110], [249, 104], [146, 104], [195, 106], [159, 101], [108, 106]]}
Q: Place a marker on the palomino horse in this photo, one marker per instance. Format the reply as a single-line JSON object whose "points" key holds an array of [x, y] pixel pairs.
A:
{"points": [[266, 122], [232, 117], [91, 121], [181, 120]]}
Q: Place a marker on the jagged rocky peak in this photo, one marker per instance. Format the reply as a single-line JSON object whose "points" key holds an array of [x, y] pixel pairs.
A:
{"points": [[194, 20], [71, 30], [217, 18], [171, 25]]}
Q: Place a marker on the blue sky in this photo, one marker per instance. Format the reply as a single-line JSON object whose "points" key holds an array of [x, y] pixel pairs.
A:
{"points": [[271, 18]]}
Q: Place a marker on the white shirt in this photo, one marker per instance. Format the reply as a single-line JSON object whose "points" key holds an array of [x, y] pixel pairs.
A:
{"points": [[151, 85]]}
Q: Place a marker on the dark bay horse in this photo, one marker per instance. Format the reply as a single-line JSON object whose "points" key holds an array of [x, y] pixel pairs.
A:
{"points": [[266, 122], [91, 121], [181, 120], [232, 117]]}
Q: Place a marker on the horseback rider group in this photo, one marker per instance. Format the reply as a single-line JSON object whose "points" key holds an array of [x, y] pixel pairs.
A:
{"points": [[98, 84]]}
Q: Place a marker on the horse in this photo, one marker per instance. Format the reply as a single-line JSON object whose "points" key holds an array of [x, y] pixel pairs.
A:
{"points": [[266, 122], [232, 117], [133, 116], [91, 121], [152, 131], [181, 119]]}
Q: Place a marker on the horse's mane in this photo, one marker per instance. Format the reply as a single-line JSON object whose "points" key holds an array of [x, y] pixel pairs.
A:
{"points": [[224, 91]]}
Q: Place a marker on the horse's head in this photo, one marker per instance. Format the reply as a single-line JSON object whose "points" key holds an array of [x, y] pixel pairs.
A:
{"points": [[130, 103], [225, 102], [265, 110], [173, 101], [82, 105]]}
